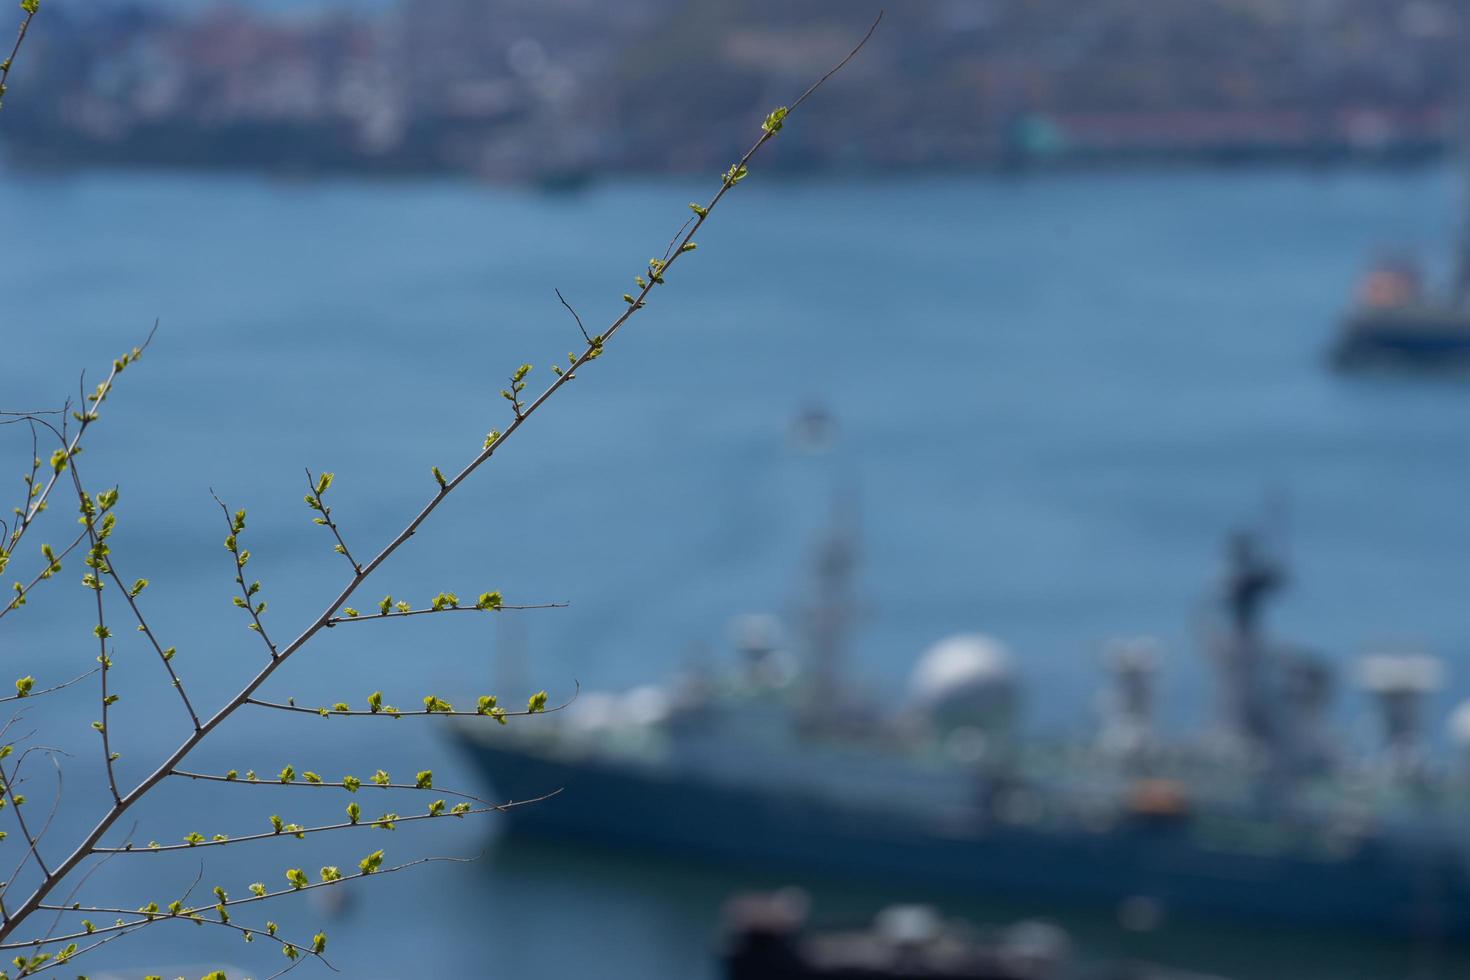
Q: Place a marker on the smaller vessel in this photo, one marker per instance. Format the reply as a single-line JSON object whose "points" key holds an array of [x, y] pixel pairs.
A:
{"points": [[769, 937]]}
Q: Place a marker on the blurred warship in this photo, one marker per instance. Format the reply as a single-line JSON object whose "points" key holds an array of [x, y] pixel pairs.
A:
{"points": [[784, 765]]}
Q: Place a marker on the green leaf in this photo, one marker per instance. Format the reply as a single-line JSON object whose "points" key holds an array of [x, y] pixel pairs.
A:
{"points": [[775, 119], [297, 878]]}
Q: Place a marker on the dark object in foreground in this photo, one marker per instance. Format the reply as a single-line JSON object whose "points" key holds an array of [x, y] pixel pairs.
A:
{"points": [[766, 939]]}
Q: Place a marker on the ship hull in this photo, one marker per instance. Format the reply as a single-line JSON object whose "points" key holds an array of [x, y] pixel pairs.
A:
{"points": [[1407, 888], [1412, 338]]}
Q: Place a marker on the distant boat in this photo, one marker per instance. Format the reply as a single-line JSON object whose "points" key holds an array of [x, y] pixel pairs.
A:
{"points": [[564, 179], [1396, 323]]}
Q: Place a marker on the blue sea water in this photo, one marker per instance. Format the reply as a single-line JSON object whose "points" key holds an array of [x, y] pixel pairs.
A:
{"points": [[1056, 395]]}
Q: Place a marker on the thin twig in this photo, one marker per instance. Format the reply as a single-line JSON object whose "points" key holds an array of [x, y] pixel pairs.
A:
{"points": [[32, 842], [247, 596], [45, 573], [89, 414], [5, 65], [99, 560], [164, 656], [585, 335], [375, 823], [36, 694], [106, 565], [85, 878], [326, 512], [325, 785], [365, 617], [184, 914], [387, 712], [116, 933]]}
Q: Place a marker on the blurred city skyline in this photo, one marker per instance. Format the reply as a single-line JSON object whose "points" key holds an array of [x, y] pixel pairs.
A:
{"points": [[560, 90]]}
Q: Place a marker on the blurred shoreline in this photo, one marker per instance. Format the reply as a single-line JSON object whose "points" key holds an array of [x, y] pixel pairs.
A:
{"points": [[560, 92]]}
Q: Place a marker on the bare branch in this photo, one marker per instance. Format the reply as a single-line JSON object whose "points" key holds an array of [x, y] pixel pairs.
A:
{"points": [[594, 349]]}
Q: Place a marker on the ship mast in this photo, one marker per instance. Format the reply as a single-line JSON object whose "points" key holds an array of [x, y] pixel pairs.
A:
{"points": [[1241, 654], [1461, 294], [827, 621]]}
